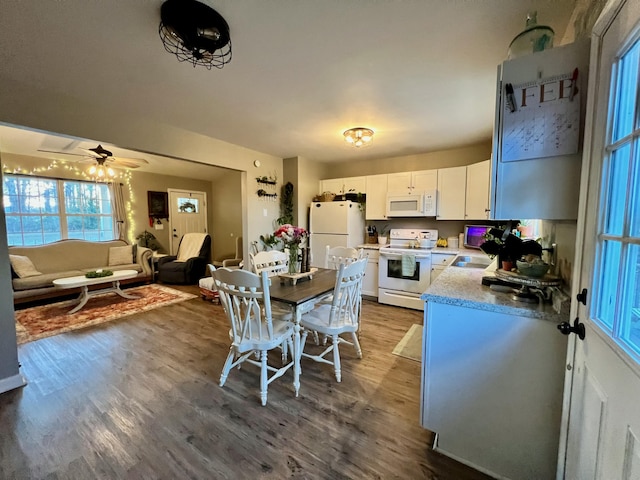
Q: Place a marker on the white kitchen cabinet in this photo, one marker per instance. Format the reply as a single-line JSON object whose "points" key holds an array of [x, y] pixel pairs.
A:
{"points": [[376, 190], [477, 191], [492, 389], [333, 185], [355, 185], [341, 186], [548, 186], [399, 182], [424, 180], [412, 182], [440, 261], [370, 280], [452, 184]]}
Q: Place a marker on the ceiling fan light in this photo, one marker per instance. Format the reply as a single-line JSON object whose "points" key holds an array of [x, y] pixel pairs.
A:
{"points": [[195, 33]]}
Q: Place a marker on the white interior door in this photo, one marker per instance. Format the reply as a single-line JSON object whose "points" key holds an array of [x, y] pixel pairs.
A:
{"points": [[603, 408], [187, 213]]}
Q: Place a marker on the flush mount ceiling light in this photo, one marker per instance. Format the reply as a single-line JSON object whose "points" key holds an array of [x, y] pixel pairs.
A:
{"points": [[195, 33], [358, 136], [99, 172]]}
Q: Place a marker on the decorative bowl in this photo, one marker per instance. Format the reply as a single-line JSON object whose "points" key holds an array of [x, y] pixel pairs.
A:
{"points": [[535, 270]]}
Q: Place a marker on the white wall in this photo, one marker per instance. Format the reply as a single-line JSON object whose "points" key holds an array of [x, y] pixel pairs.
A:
{"points": [[9, 369]]}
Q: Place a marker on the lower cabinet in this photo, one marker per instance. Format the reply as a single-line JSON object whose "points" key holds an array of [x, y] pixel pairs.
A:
{"points": [[440, 261], [492, 386], [370, 281]]}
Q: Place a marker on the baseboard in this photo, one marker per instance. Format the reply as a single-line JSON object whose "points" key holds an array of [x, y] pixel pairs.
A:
{"points": [[435, 448], [9, 383]]}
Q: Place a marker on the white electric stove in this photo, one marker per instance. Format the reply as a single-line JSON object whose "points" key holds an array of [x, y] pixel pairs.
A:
{"points": [[405, 267]]}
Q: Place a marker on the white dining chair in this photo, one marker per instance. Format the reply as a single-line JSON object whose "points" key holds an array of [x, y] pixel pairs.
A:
{"points": [[340, 317], [246, 302], [274, 262], [335, 256]]}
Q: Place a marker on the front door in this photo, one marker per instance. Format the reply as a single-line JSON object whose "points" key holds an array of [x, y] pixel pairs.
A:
{"points": [[603, 378], [187, 213]]}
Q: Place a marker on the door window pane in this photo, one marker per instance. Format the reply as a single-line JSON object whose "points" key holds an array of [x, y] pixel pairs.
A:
{"points": [[630, 311], [617, 190], [626, 91], [188, 205], [635, 193], [607, 294]]}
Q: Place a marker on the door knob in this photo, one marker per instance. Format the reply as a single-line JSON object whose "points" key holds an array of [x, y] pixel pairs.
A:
{"points": [[582, 296], [577, 328]]}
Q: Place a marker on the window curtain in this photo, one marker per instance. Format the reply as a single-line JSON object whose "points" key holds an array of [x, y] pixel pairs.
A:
{"points": [[119, 210]]}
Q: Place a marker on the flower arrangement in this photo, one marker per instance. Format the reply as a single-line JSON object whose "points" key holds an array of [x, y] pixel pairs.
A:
{"points": [[291, 237]]}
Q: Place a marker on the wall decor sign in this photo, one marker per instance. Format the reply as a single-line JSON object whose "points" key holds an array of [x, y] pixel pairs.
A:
{"points": [[541, 118], [158, 203]]}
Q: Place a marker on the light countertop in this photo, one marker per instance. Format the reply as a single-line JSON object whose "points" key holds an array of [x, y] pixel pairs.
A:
{"points": [[371, 246], [463, 287]]}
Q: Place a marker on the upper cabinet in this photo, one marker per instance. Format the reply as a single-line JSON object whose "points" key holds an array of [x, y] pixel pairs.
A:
{"points": [[477, 191], [452, 184], [412, 182], [539, 123], [333, 185], [340, 186], [376, 189], [462, 192]]}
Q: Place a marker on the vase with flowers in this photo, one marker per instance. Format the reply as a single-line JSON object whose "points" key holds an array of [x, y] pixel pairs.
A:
{"points": [[291, 238]]}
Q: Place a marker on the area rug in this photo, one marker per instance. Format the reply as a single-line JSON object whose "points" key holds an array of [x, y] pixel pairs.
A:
{"points": [[411, 344], [47, 320]]}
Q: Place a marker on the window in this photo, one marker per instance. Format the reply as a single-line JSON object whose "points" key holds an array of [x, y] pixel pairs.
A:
{"points": [[42, 210], [617, 289]]}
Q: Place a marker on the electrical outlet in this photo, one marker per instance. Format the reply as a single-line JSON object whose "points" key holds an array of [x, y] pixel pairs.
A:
{"points": [[264, 212]]}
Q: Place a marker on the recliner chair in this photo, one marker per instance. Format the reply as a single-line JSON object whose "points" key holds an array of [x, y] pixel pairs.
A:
{"points": [[189, 265]]}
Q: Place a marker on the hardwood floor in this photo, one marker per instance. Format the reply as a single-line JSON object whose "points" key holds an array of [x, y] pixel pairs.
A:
{"points": [[139, 398]]}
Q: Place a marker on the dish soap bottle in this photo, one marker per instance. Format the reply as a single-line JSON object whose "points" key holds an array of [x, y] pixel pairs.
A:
{"points": [[534, 38]]}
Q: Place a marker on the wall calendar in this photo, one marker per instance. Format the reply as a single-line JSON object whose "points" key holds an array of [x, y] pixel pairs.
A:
{"points": [[541, 118]]}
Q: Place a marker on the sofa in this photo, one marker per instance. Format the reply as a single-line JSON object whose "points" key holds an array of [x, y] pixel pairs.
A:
{"points": [[34, 268]]}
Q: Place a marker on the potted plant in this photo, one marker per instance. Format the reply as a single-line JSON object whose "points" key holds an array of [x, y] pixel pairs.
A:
{"points": [[508, 247]]}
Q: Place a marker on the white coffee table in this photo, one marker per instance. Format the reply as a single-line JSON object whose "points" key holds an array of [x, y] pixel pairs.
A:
{"points": [[84, 283]]}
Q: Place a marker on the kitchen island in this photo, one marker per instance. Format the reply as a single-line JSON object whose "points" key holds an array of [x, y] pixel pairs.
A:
{"points": [[492, 376]]}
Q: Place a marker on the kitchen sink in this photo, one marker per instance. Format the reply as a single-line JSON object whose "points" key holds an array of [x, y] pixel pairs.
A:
{"points": [[471, 261]]}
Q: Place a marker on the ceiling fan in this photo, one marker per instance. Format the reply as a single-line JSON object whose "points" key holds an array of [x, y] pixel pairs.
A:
{"points": [[102, 156]]}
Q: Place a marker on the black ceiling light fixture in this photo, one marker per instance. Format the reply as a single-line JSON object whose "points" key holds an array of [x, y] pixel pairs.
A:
{"points": [[195, 33]]}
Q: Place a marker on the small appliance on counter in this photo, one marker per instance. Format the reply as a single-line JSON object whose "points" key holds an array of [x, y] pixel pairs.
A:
{"points": [[473, 235], [404, 271]]}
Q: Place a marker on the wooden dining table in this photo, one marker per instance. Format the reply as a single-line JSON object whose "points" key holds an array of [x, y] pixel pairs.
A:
{"points": [[302, 297]]}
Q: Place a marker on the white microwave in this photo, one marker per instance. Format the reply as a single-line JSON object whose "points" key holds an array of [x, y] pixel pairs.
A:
{"points": [[421, 204]]}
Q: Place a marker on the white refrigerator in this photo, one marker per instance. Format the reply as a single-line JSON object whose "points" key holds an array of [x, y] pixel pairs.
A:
{"points": [[337, 224]]}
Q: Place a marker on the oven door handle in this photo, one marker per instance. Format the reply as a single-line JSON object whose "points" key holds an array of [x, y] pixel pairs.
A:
{"points": [[418, 257]]}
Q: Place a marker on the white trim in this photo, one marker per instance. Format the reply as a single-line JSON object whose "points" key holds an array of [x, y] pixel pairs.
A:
{"points": [[9, 383]]}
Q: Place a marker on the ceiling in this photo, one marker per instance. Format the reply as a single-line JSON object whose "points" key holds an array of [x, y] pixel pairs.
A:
{"points": [[420, 73]]}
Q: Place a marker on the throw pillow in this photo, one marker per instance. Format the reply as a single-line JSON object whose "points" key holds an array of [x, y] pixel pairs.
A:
{"points": [[121, 255], [23, 266]]}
